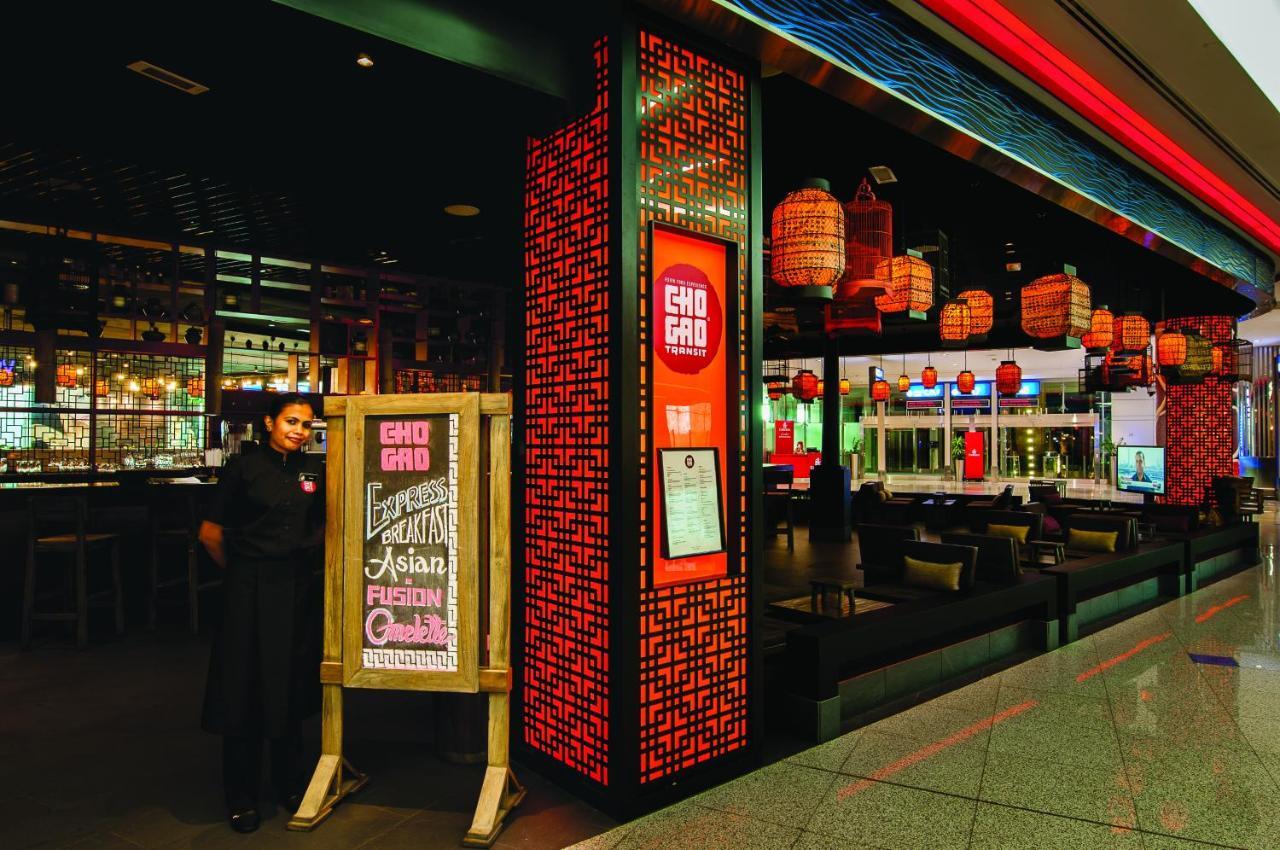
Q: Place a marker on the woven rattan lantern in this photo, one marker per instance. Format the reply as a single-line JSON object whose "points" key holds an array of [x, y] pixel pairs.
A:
{"points": [[6, 377], [808, 239], [846, 386], [929, 378], [965, 382], [954, 323], [775, 391], [880, 390], [868, 229], [904, 383], [1056, 306], [1171, 348], [101, 388], [982, 311], [910, 285], [1008, 377], [66, 375], [1133, 332], [195, 387], [804, 386], [1101, 329], [1197, 363]]}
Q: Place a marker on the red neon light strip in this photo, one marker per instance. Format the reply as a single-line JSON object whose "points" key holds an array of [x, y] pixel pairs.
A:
{"points": [[997, 29], [1124, 656], [936, 747], [1214, 610]]}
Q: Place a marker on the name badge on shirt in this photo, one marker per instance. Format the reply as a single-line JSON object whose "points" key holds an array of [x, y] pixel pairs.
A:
{"points": [[308, 482]]}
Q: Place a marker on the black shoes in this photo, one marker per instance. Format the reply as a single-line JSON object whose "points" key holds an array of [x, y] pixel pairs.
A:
{"points": [[291, 803], [244, 820]]}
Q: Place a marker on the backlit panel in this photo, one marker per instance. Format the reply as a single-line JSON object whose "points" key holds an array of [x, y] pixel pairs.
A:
{"points": [[694, 638], [1199, 425], [566, 463]]}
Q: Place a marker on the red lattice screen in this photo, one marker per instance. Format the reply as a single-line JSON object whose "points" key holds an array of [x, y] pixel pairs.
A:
{"points": [[566, 467], [1199, 425], [694, 638]]}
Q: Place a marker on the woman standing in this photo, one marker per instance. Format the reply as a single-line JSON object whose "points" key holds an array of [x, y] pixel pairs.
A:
{"points": [[265, 527]]}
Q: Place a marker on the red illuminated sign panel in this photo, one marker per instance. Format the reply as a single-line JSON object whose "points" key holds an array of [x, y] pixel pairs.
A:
{"points": [[693, 378], [784, 437], [975, 455]]}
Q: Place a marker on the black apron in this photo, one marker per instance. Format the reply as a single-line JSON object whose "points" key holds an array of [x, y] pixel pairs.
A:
{"points": [[264, 668]]}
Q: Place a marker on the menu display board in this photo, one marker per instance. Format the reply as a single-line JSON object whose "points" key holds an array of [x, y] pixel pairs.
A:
{"points": [[784, 436], [692, 515], [410, 548]]}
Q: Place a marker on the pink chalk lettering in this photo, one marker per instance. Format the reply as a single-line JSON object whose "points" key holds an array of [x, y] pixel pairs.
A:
{"points": [[380, 627], [404, 433], [416, 459]]}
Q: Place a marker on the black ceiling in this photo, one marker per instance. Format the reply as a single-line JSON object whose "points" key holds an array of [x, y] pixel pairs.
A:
{"points": [[808, 133], [294, 150]]}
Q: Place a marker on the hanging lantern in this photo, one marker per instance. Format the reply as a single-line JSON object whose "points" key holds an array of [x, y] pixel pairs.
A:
{"points": [[846, 386], [822, 388], [1056, 306], [910, 284], [982, 311], [929, 378], [775, 390], [808, 238], [1101, 328], [868, 229], [1132, 333], [1008, 377], [1171, 348], [1197, 363], [152, 388], [804, 386], [1233, 360], [955, 323], [66, 375], [195, 387], [880, 391], [904, 383], [101, 388], [965, 382], [6, 377]]}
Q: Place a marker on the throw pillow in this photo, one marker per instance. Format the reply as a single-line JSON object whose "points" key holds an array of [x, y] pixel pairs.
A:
{"points": [[1052, 498], [1092, 541], [928, 574], [1052, 526], [1017, 532]]}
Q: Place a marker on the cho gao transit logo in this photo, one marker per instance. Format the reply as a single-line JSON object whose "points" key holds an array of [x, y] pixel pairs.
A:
{"points": [[688, 320]]}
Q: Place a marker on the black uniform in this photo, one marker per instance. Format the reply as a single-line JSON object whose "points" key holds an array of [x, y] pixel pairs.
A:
{"points": [[264, 670]]}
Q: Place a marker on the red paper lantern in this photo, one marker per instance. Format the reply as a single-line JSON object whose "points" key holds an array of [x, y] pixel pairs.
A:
{"points": [[904, 383], [195, 387], [880, 391], [775, 390], [982, 310], [846, 386], [868, 228], [808, 238], [804, 386], [1056, 305], [965, 382], [1008, 377], [66, 375], [1171, 348], [929, 377], [6, 377], [1133, 332], [955, 323], [822, 388], [910, 284], [1101, 328]]}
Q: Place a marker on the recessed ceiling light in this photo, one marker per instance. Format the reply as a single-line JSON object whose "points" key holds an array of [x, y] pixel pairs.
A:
{"points": [[462, 210], [364, 60]]}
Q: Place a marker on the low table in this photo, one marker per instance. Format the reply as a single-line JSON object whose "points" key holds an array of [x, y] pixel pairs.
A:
{"points": [[1055, 549], [819, 588], [939, 513]]}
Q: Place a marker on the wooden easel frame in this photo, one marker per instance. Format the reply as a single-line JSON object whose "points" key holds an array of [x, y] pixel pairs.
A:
{"points": [[335, 777]]}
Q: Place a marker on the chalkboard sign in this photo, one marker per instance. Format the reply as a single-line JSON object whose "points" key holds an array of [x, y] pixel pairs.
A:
{"points": [[411, 544]]}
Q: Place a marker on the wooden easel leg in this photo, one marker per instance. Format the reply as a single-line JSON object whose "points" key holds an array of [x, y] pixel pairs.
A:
{"points": [[501, 791], [334, 778]]}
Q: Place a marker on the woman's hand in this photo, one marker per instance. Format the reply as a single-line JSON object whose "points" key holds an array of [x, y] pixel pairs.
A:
{"points": [[211, 536]]}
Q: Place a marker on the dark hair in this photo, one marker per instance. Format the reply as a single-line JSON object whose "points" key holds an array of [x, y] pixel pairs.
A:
{"points": [[279, 401]]}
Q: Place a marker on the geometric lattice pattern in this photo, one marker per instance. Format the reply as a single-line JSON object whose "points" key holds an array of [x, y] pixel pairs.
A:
{"points": [[1200, 424], [566, 464], [693, 674], [886, 47], [694, 645]]}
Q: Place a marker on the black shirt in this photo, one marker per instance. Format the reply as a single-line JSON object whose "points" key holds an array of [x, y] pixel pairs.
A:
{"points": [[270, 505]]}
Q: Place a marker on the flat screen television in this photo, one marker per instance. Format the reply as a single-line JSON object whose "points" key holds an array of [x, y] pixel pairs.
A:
{"points": [[1140, 469]]}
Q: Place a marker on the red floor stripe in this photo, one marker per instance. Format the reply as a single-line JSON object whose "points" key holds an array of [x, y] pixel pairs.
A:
{"points": [[1124, 656], [1213, 610]]}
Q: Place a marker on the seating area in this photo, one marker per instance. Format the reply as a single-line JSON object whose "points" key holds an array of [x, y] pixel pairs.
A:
{"points": [[1003, 580]]}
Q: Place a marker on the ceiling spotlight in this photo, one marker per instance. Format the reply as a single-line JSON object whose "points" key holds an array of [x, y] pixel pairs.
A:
{"points": [[883, 174], [364, 60], [462, 210]]}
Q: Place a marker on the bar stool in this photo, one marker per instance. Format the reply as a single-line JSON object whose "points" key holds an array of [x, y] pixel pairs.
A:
{"points": [[173, 516], [58, 525]]}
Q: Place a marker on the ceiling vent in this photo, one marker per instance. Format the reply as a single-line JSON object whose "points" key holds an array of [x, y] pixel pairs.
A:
{"points": [[161, 75], [883, 174]]}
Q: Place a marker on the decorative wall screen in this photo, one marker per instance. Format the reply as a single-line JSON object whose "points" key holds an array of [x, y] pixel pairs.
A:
{"points": [[565, 670], [694, 638], [1198, 420]]}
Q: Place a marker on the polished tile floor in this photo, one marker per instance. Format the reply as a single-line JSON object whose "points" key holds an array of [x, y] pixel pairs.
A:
{"points": [[1160, 732]]}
